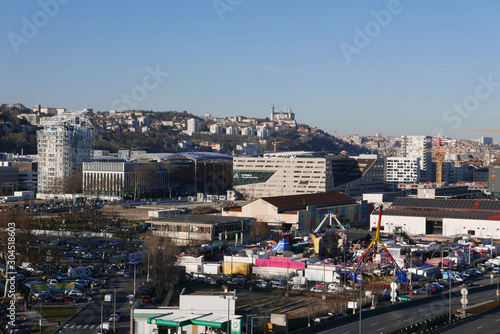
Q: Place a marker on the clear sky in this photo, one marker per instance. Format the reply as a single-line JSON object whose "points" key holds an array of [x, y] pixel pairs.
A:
{"points": [[390, 67]]}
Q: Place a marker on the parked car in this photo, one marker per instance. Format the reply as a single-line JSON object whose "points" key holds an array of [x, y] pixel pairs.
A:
{"points": [[420, 291], [262, 285], [324, 318], [468, 283], [340, 315], [405, 298]]}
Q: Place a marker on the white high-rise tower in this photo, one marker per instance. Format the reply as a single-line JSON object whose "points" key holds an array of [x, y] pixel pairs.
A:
{"points": [[64, 143]]}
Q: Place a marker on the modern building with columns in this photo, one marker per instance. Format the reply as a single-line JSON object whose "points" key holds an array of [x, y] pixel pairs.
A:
{"points": [[159, 175]]}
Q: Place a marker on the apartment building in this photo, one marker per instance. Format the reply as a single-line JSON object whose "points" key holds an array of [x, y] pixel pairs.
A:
{"points": [[401, 170], [418, 147], [193, 126], [64, 143]]}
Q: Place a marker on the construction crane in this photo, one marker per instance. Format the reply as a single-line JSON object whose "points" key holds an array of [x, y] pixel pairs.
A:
{"points": [[400, 276], [329, 215], [439, 162], [488, 153], [275, 143], [483, 130]]}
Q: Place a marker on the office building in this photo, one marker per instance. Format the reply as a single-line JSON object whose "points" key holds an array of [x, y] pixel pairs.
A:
{"points": [[292, 173]]}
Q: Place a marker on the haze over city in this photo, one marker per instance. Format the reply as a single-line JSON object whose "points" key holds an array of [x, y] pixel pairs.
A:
{"points": [[390, 67]]}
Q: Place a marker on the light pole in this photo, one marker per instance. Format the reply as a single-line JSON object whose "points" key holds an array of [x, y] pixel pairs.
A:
{"points": [[134, 279], [114, 310], [102, 309], [125, 230], [229, 298], [360, 283]]}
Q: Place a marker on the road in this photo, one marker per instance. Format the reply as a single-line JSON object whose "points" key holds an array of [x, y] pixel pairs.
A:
{"points": [[89, 320], [394, 320], [489, 323]]}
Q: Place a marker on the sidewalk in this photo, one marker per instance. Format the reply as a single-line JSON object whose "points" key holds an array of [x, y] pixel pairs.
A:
{"points": [[33, 317]]}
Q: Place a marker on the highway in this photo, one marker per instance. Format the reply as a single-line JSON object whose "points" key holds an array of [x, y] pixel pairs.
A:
{"points": [[393, 320], [488, 323], [89, 319]]}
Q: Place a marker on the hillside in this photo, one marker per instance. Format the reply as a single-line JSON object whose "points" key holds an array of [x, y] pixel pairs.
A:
{"points": [[164, 132]]}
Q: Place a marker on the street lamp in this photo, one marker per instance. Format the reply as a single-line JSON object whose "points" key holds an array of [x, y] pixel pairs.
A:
{"points": [[125, 230], [229, 298]]}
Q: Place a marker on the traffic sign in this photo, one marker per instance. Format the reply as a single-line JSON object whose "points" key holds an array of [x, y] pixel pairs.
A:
{"points": [[464, 292], [394, 285], [464, 301]]}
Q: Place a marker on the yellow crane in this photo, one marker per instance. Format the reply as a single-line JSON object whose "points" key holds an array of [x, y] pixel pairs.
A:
{"points": [[275, 143], [439, 162]]}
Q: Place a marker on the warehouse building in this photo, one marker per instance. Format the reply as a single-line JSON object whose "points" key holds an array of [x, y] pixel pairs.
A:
{"points": [[441, 217], [302, 213]]}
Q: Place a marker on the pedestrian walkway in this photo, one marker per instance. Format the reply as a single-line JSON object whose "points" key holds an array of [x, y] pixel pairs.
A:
{"points": [[34, 317], [77, 326]]}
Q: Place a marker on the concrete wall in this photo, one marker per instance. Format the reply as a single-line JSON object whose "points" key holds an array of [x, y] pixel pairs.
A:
{"points": [[482, 228], [451, 226], [320, 275], [275, 273], [411, 225], [214, 303]]}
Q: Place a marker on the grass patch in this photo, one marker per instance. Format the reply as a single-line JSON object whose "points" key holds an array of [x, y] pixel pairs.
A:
{"points": [[483, 308], [45, 330], [56, 314]]}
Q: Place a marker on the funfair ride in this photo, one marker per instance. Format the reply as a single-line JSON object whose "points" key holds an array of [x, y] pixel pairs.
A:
{"points": [[399, 275]]}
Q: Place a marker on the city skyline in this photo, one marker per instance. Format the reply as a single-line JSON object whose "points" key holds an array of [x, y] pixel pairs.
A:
{"points": [[390, 67]]}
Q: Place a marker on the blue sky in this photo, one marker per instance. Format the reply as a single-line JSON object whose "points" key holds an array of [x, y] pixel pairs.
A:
{"points": [[332, 62]]}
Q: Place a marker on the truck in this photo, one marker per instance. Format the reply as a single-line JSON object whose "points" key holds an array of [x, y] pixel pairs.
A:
{"points": [[80, 272], [108, 298]]}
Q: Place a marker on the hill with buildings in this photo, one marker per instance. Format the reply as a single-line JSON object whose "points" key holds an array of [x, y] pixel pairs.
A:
{"points": [[172, 131]]}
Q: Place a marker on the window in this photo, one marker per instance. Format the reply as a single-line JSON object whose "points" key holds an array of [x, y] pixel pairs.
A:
{"points": [[471, 232]]}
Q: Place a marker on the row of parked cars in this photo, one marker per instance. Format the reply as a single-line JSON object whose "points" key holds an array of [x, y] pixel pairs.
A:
{"points": [[5, 326]]}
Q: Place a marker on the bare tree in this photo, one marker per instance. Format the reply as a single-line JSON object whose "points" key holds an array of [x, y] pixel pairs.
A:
{"points": [[16, 224], [259, 229], [163, 263], [73, 184]]}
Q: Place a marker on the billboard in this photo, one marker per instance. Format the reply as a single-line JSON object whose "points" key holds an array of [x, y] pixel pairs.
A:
{"points": [[51, 287], [243, 177]]}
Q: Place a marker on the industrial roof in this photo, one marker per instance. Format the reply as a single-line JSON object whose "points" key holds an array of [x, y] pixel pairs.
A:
{"points": [[458, 204], [445, 208], [301, 201], [108, 158], [200, 219], [469, 214]]}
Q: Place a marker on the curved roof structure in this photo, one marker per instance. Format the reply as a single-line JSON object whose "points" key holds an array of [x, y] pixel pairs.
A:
{"points": [[195, 156], [108, 158]]}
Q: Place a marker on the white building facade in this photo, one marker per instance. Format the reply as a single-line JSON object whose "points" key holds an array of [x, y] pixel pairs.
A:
{"points": [[402, 170], [418, 147], [64, 143], [193, 126]]}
